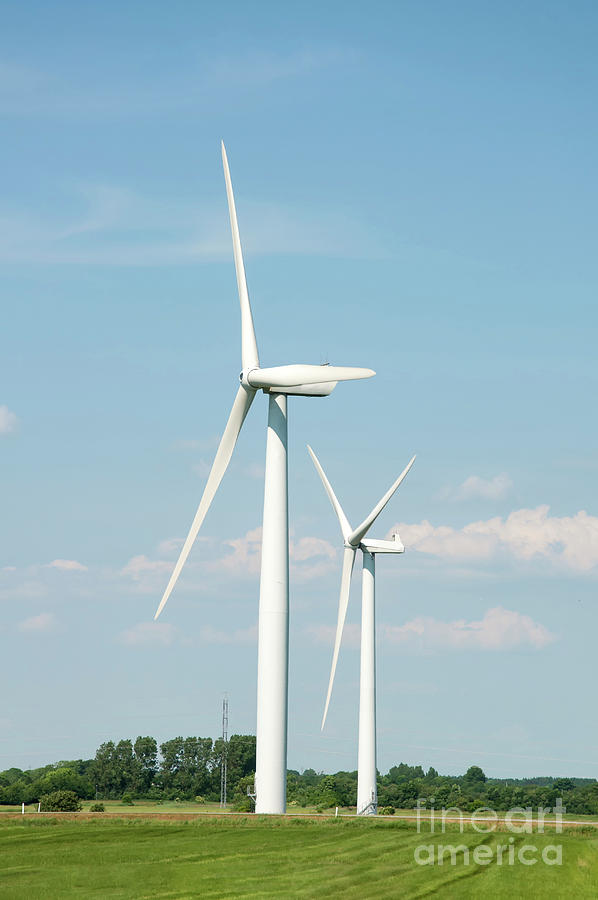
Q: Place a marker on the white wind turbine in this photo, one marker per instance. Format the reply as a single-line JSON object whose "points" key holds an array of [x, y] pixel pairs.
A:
{"points": [[367, 798], [278, 382]]}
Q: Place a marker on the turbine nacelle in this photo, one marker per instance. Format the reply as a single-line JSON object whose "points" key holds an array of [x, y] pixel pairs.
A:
{"points": [[299, 379], [393, 546], [321, 389], [372, 546]]}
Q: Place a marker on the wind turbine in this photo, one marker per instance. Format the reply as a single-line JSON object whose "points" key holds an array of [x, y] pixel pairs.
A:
{"points": [[367, 797], [273, 628]]}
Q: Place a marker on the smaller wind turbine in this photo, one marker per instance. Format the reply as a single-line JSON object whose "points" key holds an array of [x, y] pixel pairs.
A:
{"points": [[367, 802]]}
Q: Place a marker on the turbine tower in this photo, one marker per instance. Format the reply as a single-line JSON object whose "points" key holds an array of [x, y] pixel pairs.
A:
{"points": [[273, 626], [367, 797]]}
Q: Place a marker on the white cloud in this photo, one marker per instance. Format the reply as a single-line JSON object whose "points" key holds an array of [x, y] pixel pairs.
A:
{"points": [[202, 468], [211, 635], [246, 556], [8, 420], [42, 622], [310, 547], [148, 573], [171, 547], [477, 488], [215, 81], [500, 629], [139, 566], [325, 634], [67, 565], [524, 534], [151, 575], [103, 224], [257, 70], [309, 557], [148, 634], [30, 589]]}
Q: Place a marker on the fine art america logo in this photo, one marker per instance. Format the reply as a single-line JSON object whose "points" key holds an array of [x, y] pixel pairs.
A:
{"points": [[505, 851]]}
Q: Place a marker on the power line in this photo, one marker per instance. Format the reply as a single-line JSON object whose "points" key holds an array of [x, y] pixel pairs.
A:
{"points": [[224, 759]]}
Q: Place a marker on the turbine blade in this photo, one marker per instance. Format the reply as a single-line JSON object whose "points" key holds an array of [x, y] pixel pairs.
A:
{"points": [[249, 355], [342, 519], [243, 401], [348, 560], [361, 530], [290, 376]]}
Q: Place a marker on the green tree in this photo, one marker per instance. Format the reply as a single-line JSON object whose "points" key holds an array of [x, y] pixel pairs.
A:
{"points": [[185, 766], [403, 772], [64, 779], [345, 788], [9, 776], [146, 756], [60, 801], [240, 761], [326, 795], [474, 775], [242, 801], [104, 772], [21, 791], [126, 766], [561, 785]]}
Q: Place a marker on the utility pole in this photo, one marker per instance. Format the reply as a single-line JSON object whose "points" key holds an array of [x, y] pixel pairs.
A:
{"points": [[223, 763]]}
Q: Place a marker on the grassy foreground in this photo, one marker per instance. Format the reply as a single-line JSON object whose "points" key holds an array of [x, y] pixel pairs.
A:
{"points": [[249, 856]]}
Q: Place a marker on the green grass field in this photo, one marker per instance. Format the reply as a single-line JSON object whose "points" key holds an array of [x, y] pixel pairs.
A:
{"points": [[247, 856]]}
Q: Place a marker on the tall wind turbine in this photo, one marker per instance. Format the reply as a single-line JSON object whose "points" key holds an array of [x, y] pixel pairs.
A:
{"points": [[367, 797], [273, 628]]}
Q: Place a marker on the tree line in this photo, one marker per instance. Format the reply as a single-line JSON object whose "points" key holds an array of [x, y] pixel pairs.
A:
{"points": [[188, 768]]}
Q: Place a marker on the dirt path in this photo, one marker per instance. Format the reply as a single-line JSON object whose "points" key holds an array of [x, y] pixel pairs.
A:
{"points": [[467, 820]]}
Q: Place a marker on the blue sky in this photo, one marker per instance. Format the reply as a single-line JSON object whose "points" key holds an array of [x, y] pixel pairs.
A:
{"points": [[416, 192]]}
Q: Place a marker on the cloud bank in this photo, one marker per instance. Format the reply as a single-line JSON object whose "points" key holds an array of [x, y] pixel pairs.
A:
{"points": [[37, 624], [477, 488], [499, 629], [67, 565], [106, 224], [525, 534], [309, 557]]}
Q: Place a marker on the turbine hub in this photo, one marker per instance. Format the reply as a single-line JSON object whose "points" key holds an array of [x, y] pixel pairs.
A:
{"points": [[244, 376]]}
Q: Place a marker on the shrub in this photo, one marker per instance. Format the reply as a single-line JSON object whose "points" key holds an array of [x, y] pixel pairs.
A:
{"points": [[97, 807], [60, 801], [200, 799], [387, 811], [127, 799]]}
